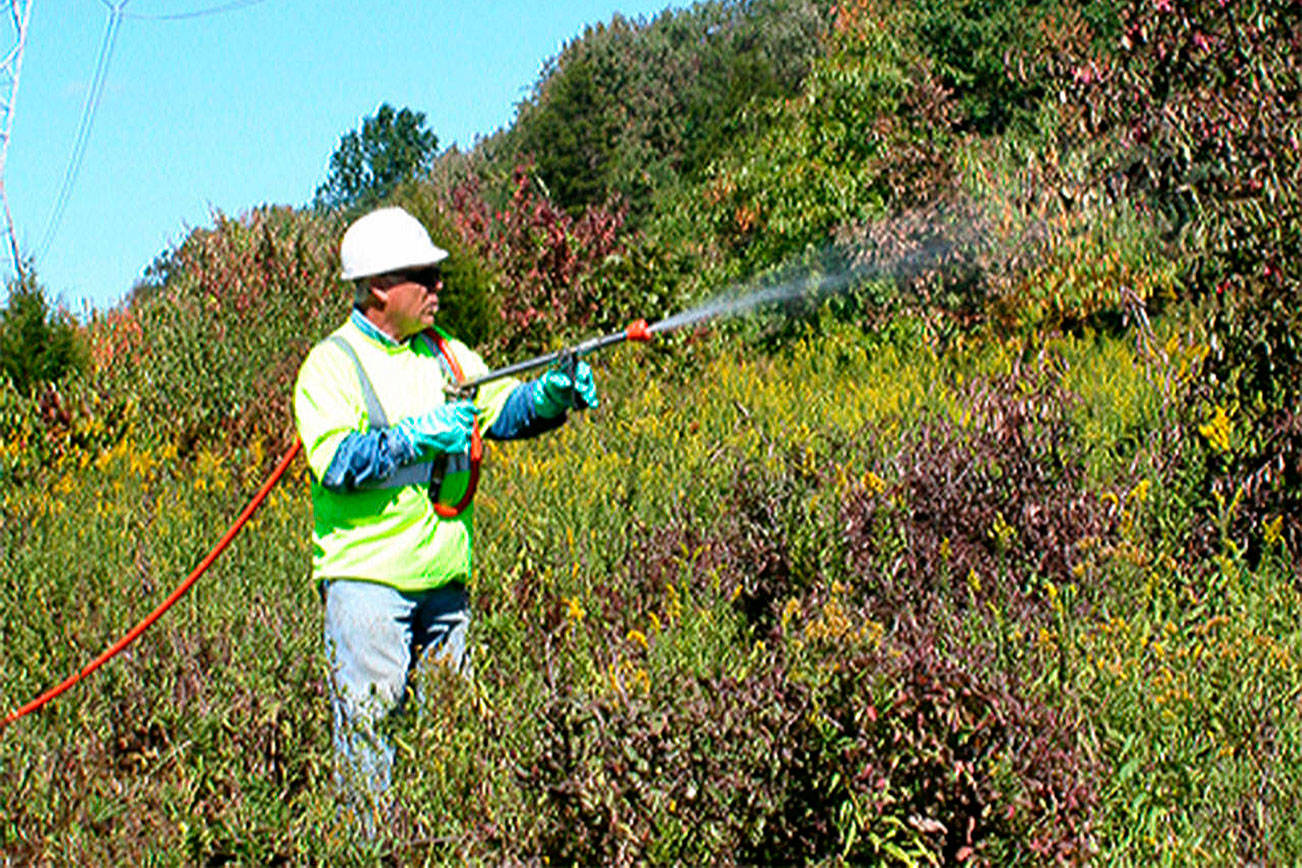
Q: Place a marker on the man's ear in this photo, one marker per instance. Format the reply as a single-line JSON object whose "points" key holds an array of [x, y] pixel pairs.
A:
{"points": [[379, 290]]}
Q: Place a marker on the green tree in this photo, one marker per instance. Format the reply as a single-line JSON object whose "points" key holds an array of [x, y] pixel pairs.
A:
{"points": [[974, 44], [870, 134], [631, 107], [391, 147], [38, 344]]}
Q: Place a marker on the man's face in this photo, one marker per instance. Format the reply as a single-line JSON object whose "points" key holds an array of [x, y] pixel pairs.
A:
{"points": [[412, 299]]}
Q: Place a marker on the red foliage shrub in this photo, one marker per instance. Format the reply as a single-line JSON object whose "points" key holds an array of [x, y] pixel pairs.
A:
{"points": [[553, 269], [842, 736], [972, 761], [903, 743], [976, 511]]}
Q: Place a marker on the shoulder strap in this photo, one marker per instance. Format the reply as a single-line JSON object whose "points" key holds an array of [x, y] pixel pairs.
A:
{"points": [[442, 351], [419, 473], [411, 474], [375, 415]]}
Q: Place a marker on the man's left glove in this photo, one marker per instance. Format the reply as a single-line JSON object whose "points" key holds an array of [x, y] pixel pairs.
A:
{"points": [[446, 428], [555, 392]]}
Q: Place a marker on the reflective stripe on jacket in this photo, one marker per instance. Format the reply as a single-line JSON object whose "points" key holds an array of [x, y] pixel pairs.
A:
{"points": [[386, 534]]}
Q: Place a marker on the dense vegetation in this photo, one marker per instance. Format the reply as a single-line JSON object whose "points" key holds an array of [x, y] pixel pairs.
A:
{"points": [[991, 557]]}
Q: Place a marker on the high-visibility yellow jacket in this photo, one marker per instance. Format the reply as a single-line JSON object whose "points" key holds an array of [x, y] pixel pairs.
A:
{"points": [[387, 532]]}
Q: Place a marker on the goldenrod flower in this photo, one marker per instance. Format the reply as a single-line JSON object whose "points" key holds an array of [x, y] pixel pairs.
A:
{"points": [[1274, 529], [1218, 429]]}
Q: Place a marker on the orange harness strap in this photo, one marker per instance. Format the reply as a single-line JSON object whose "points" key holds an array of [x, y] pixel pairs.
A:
{"points": [[476, 440]]}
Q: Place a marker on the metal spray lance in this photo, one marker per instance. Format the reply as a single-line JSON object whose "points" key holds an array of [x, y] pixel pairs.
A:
{"points": [[566, 359]]}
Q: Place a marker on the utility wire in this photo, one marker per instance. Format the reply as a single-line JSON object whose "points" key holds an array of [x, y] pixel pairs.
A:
{"points": [[117, 12], [197, 13], [93, 95]]}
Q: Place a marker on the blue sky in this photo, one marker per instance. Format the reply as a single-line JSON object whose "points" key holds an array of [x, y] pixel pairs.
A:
{"points": [[244, 107]]}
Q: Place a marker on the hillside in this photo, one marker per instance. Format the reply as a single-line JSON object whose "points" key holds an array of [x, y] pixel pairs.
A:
{"points": [[990, 555]]}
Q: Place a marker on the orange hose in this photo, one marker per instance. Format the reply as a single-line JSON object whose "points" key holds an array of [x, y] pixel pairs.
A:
{"points": [[444, 510], [126, 640]]}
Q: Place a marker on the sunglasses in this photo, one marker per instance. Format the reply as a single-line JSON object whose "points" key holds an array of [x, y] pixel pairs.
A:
{"points": [[428, 277]]}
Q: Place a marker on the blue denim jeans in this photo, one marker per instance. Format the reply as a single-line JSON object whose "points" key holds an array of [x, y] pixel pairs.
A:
{"points": [[376, 637]]}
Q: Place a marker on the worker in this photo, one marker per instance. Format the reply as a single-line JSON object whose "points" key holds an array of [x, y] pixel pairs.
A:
{"points": [[390, 463]]}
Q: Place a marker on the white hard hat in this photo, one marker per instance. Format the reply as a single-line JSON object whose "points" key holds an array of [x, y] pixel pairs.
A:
{"points": [[386, 240]]}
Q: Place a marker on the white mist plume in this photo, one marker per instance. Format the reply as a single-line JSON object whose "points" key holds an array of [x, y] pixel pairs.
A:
{"points": [[916, 243]]}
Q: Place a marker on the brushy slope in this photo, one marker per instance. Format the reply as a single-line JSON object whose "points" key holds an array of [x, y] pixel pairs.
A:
{"points": [[857, 600]]}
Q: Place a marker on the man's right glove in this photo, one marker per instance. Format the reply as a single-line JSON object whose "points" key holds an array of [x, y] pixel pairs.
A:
{"points": [[443, 429]]}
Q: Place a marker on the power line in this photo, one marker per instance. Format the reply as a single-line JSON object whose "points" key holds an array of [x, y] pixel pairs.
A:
{"points": [[83, 131], [117, 12], [197, 13]]}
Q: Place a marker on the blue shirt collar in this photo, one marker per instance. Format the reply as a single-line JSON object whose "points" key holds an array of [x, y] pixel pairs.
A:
{"points": [[368, 328]]}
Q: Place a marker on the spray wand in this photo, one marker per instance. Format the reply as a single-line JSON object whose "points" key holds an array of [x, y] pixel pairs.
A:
{"points": [[566, 358], [734, 302]]}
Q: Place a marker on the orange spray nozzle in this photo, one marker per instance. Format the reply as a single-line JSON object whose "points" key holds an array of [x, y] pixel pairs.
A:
{"points": [[638, 331]]}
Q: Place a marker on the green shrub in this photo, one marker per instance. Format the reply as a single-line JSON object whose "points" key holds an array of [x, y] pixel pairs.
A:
{"points": [[220, 335], [38, 345]]}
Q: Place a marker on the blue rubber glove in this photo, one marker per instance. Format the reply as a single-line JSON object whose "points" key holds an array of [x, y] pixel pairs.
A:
{"points": [[443, 429], [554, 392]]}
